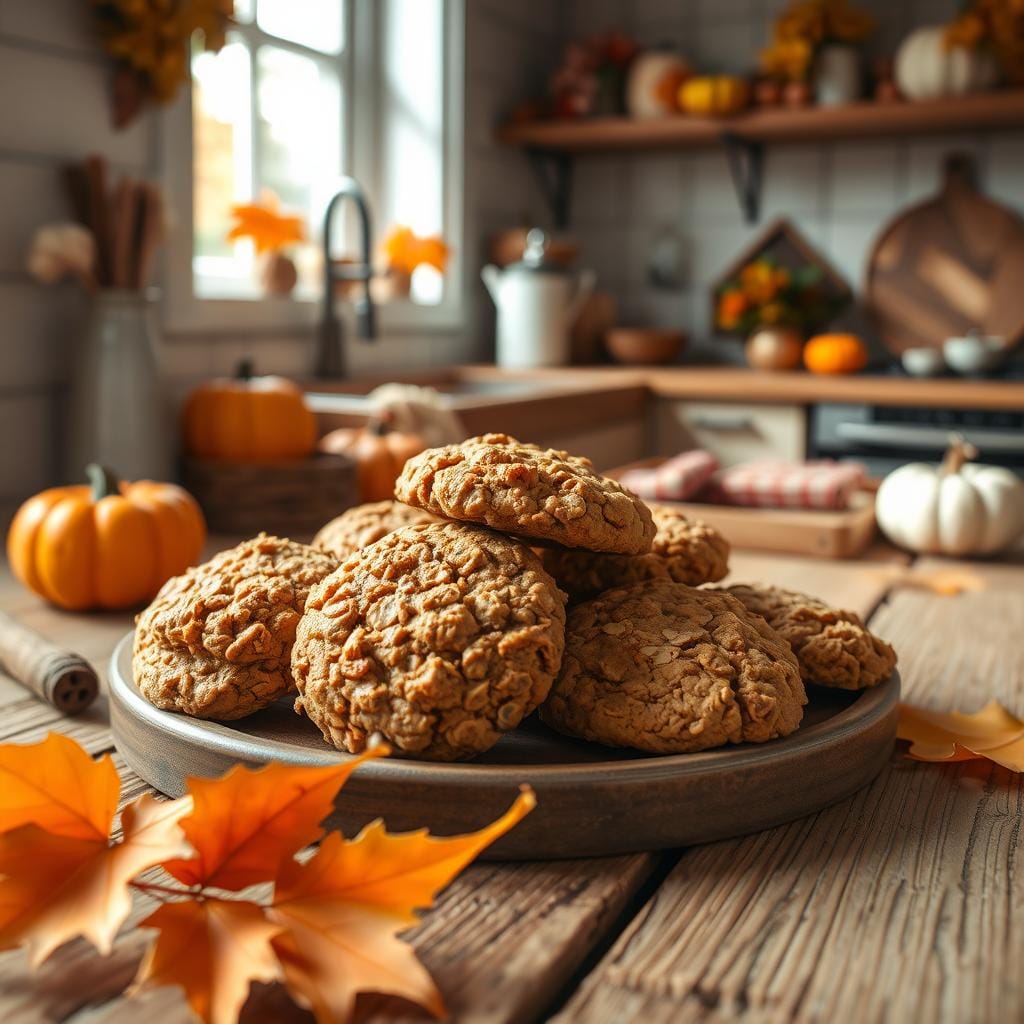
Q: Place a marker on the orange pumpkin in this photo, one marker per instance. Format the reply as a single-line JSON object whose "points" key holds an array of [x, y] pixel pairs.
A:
{"points": [[107, 544], [380, 454], [248, 419], [835, 353]]}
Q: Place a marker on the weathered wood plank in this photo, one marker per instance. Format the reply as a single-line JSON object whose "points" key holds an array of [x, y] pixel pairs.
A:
{"points": [[898, 904]]}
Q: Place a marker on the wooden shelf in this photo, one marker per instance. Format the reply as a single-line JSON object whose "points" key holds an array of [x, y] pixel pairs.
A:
{"points": [[809, 124]]}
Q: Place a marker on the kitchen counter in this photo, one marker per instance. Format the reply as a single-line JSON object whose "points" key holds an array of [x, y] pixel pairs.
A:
{"points": [[900, 903]]}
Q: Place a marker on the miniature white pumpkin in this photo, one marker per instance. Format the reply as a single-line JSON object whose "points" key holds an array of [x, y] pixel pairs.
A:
{"points": [[953, 509], [652, 88], [927, 69]]}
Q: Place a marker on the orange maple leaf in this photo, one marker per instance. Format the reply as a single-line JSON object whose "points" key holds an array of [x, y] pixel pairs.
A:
{"points": [[57, 887], [214, 949], [247, 822], [341, 911], [56, 785], [991, 733]]}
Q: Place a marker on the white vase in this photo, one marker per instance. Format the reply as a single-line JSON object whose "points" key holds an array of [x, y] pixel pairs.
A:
{"points": [[118, 411], [837, 75]]}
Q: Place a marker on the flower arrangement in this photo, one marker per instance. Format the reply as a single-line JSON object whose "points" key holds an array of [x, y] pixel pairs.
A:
{"points": [[149, 41], [405, 251], [765, 293], [271, 232], [590, 77], [998, 24], [806, 25]]}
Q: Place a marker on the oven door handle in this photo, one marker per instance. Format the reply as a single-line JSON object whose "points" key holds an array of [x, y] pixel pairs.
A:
{"points": [[885, 435]]}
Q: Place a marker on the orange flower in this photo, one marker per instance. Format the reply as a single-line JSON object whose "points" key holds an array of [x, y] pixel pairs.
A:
{"points": [[405, 251], [270, 230], [731, 306], [761, 281]]}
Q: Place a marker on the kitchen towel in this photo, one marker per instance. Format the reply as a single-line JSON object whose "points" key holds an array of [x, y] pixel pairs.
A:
{"points": [[675, 479], [823, 484]]}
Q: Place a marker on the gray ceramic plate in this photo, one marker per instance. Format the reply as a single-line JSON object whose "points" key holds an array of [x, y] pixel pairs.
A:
{"points": [[590, 800]]}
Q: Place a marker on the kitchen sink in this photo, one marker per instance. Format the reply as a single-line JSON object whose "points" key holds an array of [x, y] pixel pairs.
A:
{"points": [[456, 394]]}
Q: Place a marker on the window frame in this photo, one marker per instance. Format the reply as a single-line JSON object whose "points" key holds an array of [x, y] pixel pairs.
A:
{"points": [[362, 74]]}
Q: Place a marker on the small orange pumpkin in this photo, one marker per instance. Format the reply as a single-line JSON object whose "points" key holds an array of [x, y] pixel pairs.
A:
{"points": [[380, 454], [835, 353], [248, 419], [107, 544]]}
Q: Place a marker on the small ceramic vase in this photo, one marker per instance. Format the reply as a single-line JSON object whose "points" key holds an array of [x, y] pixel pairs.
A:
{"points": [[837, 75], [774, 348]]}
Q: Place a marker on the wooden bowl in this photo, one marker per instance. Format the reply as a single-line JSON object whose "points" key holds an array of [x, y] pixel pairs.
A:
{"points": [[648, 346]]}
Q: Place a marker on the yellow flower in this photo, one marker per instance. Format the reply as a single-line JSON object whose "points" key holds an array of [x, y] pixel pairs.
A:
{"points": [[789, 59]]}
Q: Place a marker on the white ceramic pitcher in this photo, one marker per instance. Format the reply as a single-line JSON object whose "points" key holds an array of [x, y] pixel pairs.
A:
{"points": [[537, 302]]}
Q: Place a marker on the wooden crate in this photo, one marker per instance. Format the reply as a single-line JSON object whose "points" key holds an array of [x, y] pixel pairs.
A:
{"points": [[285, 498], [821, 533]]}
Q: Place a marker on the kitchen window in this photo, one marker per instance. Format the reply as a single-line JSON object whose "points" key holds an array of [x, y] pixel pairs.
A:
{"points": [[303, 92]]}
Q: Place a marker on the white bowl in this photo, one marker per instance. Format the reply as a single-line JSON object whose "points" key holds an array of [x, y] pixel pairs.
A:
{"points": [[923, 362], [973, 353]]}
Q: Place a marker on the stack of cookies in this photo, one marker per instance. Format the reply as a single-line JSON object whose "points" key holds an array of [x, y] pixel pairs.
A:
{"points": [[437, 622]]}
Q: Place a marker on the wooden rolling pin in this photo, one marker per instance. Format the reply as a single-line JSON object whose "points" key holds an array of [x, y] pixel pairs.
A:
{"points": [[65, 680]]}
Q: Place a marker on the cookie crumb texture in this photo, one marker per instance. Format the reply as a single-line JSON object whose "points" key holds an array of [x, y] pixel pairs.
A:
{"points": [[834, 647], [439, 638], [363, 525], [660, 666], [533, 492], [216, 641], [685, 551]]}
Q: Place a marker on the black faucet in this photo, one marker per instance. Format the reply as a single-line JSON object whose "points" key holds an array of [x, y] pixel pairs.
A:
{"points": [[329, 358]]}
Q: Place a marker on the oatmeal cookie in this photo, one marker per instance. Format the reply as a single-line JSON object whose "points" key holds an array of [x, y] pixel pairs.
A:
{"points": [[216, 641], [438, 637], [685, 550], [664, 667], [529, 491], [833, 647], [362, 525]]}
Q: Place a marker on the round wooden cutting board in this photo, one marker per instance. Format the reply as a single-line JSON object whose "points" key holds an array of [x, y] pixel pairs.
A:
{"points": [[591, 801], [947, 266]]}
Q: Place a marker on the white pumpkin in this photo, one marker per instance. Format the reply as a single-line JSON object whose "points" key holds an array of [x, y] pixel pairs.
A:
{"points": [[652, 88], [926, 69], [953, 509]]}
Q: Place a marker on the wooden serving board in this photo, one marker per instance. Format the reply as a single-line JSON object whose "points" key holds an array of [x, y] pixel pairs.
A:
{"points": [[947, 266], [591, 800]]}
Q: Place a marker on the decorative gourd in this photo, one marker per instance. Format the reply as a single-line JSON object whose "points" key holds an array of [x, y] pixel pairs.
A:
{"points": [[774, 348], [927, 69], [714, 95], [955, 509], [248, 419], [380, 454], [107, 544], [835, 353], [652, 89]]}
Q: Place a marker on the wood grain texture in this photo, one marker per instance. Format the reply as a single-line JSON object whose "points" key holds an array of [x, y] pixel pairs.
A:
{"points": [[899, 904]]}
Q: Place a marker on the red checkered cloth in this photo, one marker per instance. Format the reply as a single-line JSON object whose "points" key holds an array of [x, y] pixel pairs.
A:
{"points": [[825, 484], [676, 479]]}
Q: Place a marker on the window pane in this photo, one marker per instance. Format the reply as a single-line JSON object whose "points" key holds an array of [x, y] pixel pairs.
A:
{"points": [[245, 10], [318, 24], [222, 168], [413, 186], [299, 137]]}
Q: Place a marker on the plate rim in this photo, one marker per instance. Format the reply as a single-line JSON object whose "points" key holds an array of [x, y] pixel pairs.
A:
{"points": [[871, 705]]}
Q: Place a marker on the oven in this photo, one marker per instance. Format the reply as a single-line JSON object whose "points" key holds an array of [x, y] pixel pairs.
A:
{"points": [[884, 437]]}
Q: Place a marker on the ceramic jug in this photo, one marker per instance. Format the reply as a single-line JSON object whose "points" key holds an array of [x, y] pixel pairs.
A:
{"points": [[537, 302]]}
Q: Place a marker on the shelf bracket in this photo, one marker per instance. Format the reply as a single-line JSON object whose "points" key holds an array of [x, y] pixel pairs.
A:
{"points": [[554, 175], [746, 165]]}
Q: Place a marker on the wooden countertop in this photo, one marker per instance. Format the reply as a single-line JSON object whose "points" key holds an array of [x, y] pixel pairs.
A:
{"points": [[900, 903], [743, 385]]}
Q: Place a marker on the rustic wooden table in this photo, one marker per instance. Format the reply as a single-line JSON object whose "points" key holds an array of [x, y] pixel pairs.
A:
{"points": [[903, 903]]}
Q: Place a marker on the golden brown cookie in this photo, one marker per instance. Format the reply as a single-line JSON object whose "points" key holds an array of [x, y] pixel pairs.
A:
{"points": [[216, 641], [685, 550], [440, 638], [529, 491], [664, 667], [362, 525], [834, 647]]}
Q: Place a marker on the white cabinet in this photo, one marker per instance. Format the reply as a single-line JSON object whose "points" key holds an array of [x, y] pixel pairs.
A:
{"points": [[731, 431]]}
